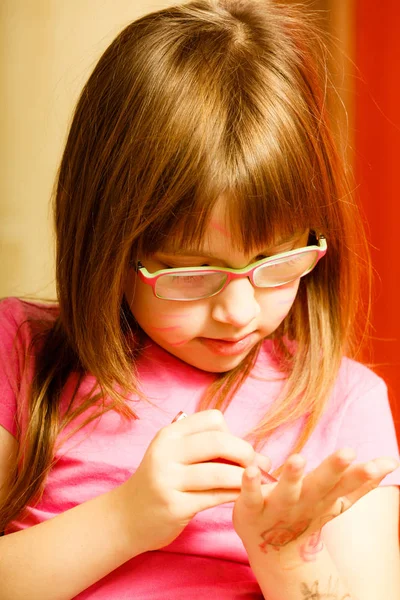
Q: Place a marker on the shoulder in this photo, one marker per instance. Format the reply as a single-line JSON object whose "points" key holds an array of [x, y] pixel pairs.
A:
{"points": [[355, 378], [361, 410], [15, 312], [357, 390], [20, 321], [363, 415]]}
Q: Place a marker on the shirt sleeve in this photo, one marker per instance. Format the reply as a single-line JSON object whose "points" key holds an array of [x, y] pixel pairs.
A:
{"points": [[367, 426], [12, 343]]}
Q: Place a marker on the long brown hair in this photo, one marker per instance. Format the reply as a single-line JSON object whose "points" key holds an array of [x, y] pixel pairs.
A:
{"points": [[210, 98]]}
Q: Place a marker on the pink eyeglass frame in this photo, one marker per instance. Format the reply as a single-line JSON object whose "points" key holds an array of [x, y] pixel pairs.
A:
{"points": [[151, 278]]}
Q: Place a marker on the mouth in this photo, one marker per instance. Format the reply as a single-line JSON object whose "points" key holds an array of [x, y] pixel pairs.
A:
{"points": [[232, 340], [230, 346]]}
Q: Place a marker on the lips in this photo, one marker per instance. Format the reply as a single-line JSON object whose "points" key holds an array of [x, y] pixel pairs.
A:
{"points": [[233, 340], [230, 346]]}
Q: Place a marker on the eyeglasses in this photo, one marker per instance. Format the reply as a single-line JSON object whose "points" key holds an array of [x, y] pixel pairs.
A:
{"points": [[197, 283]]}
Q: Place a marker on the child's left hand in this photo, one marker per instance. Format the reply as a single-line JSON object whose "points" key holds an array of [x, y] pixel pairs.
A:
{"points": [[292, 512]]}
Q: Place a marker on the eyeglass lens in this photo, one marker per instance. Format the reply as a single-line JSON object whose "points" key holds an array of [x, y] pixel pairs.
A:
{"points": [[184, 286], [285, 270], [180, 286]]}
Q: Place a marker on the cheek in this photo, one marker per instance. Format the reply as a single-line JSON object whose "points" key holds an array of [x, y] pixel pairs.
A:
{"points": [[278, 301], [170, 326], [168, 321], [160, 319], [285, 297]]}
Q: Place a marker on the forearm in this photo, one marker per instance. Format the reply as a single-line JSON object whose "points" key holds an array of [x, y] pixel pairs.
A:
{"points": [[284, 575], [59, 558]]}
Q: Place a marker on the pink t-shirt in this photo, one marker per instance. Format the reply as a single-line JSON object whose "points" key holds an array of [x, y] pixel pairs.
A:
{"points": [[208, 559]]}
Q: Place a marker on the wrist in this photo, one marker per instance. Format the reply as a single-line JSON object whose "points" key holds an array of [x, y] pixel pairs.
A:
{"points": [[128, 540], [284, 573]]}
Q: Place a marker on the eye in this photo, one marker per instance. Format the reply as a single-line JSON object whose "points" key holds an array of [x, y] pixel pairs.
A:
{"points": [[192, 266]]}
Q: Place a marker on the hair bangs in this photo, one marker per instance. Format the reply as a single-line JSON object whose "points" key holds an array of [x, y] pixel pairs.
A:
{"points": [[263, 210], [269, 186]]}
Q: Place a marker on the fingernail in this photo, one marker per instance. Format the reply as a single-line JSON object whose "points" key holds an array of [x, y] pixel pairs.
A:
{"points": [[252, 472], [296, 462], [347, 455], [371, 470], [393, 465]]}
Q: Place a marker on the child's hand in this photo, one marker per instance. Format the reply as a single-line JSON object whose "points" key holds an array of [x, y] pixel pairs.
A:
{"points": [[175, 479], [290, 514]]}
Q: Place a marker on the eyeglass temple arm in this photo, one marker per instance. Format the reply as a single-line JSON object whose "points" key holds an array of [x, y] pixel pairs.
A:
{"points": [[138, 265]]}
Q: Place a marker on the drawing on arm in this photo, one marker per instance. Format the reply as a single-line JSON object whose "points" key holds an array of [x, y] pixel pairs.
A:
{"points": [[315, 593]]}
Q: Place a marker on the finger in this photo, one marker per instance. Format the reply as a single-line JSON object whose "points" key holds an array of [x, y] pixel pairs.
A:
{"points": [[367, 477], [362, 478], [380, 467], [326, 476], [260, 461], [251, 495], [208, 499], [206, 420], [210, 476], [214, 445], [288, 490]]}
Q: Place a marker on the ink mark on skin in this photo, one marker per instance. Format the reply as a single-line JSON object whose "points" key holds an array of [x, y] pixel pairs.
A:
{"points": [[314, 592], [219, 228], [286, 301], [281, 534], [311, 547], [314, 545], [178, 343]]}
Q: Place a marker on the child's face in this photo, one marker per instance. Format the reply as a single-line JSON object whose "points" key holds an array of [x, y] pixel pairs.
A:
{"points": [[205, 333]]}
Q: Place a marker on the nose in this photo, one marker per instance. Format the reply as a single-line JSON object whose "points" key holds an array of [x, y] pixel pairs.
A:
{"points": [[236, 305]]}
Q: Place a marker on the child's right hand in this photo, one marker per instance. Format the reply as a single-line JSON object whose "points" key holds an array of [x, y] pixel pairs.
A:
{"points": [[174, 481]]}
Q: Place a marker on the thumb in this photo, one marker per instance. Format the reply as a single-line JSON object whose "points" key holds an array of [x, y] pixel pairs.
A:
{"points": [[251, 495]]}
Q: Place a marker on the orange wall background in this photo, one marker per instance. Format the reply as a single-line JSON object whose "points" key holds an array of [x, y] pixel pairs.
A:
{"points": [[377, 171]]}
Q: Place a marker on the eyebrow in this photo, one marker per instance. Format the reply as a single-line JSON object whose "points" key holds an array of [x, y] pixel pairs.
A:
{"points": [[191, 252]]}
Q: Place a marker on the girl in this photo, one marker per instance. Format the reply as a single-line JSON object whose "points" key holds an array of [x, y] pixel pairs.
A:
{"points": [[208, 257]]}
